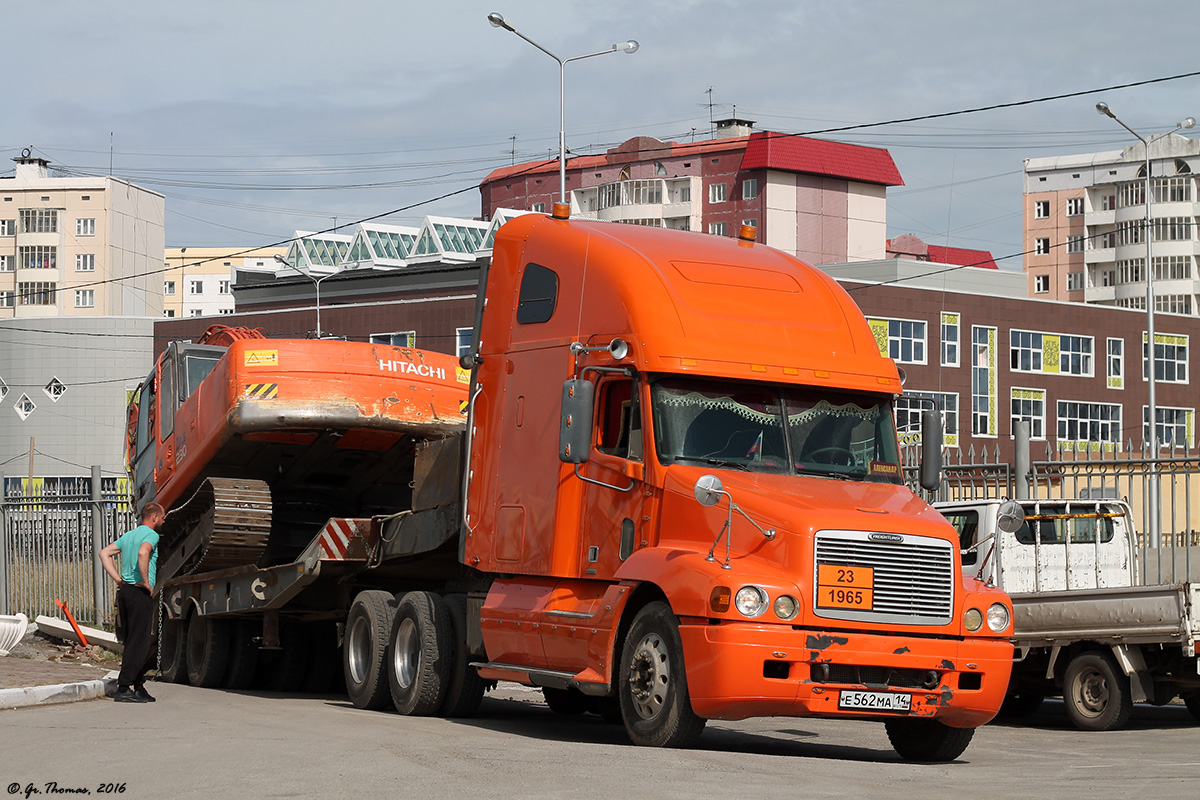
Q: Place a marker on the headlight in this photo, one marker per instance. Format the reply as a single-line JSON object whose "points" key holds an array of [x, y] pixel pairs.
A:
{"points": [[997, 618], [973, 619], [786, 606], [751, 601]]}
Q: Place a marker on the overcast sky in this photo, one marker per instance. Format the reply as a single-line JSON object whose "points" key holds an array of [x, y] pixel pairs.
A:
{"points": [[260, 117]]}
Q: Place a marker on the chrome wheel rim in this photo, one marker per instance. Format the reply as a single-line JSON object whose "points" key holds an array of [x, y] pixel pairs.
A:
{"points": [[406, 653], [649, 676], [358, 650]]}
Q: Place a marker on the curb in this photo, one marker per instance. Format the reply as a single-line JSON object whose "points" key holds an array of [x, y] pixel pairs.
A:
{"points": [[58, 693]]}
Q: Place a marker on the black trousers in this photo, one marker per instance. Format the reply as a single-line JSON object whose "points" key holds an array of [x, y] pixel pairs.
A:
{"points": [[136, 607]]}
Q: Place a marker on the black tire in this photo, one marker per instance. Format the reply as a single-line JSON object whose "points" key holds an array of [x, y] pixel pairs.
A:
{"points": [[207, 650], [1096, 692], [323, 657], [916, 739], [364, 649], [420, 655], [1022, 704], [465, 689], [1192, 701], [652, 684], [172, 649], [243, 653], [567, 702], [290, 665]]}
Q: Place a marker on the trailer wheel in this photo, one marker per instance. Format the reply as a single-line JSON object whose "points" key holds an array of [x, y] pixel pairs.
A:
{"points": [[1096, 692], [364, 650], [1192, 701], [465, 689], [653, 683], [243, 654], [172, 650], [207, 650], [927, 739], [420, 654]]}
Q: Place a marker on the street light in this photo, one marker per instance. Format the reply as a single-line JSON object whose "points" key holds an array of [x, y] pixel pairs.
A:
{"points": [[498, 21], [316, 282], [1151, 404]]}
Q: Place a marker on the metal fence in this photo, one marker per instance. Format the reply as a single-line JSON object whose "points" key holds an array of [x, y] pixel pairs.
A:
{"points": [[1123, 472], [48, 546]]}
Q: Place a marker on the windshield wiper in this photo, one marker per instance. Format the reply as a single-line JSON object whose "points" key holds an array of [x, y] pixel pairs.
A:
{"points": [[830, 473], [713, 462]]}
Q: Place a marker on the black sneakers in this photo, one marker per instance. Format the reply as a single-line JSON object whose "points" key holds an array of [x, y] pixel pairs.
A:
{"points": [[128, 696], [141, 692]]}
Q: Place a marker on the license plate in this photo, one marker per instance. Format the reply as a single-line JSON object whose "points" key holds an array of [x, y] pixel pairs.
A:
{"points": [[895, 702]]}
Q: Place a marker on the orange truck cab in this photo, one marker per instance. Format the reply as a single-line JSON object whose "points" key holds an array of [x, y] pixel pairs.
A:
{"points": [[683, 474]]}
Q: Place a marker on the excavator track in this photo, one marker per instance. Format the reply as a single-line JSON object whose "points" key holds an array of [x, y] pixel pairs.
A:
{"points": [[225, 524]]}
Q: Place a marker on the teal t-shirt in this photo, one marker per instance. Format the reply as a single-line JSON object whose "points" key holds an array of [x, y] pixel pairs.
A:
{"points": [[129, 544]]}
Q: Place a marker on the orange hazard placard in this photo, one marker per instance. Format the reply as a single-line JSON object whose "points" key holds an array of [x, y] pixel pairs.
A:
{"points": [[845, 587]]}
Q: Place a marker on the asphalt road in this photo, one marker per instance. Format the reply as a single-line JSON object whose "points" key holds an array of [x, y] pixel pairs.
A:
{"points": [[207, 743]]}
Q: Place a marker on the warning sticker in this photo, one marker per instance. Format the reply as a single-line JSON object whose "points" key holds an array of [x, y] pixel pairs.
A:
{"points": [[261, 391], [463, 375], [262, 358]]}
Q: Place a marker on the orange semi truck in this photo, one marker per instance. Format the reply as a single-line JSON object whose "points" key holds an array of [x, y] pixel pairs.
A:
{"points": [[676, 496]]}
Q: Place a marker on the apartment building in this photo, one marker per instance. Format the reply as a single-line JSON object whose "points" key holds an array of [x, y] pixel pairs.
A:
{"points": [[198, 281], [72, 246], [823, 201], [1085, 226]]}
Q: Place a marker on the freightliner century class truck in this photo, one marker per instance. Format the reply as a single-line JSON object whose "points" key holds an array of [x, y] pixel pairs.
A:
{"points": [[665, 487]]}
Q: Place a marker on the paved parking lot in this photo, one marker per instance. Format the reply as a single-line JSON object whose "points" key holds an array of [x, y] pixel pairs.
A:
{"points": [[206, 743]]}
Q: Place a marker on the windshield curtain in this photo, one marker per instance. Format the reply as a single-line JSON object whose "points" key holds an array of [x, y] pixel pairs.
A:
{"points": [[775, 428]]}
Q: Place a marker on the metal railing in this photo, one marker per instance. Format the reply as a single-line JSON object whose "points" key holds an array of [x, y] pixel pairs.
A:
{"points": [[48, 546]]}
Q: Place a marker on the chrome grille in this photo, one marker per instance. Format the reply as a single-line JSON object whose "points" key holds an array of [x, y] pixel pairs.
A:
{"points": [[913, 577]]}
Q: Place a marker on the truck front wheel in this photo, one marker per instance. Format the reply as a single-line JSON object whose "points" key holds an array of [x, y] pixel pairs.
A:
{"points": [[652, 685], [918, 739], [1096, 693], [368, 631]]}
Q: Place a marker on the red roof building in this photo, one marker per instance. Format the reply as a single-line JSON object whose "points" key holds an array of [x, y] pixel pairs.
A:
{"points": [[823, 201], [909, 246]]}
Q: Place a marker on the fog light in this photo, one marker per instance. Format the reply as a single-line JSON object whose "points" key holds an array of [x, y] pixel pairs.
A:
{"points": [[997, 618], [786, 606], [973, 619], [751, 601]]}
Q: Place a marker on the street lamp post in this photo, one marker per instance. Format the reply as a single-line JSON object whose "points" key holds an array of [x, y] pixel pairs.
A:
{"points": [[631, 46], [316, 282], [1151, 400]]}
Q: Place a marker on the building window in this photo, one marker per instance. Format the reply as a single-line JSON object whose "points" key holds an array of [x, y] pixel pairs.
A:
{"points": [[1116, 364], [6, 263], [1131, 194], [716, 193], [168, 287], [716, 228], [1171, 190], [396, 339], [1074, 354], [1176, 426], [684, 194], [908, 416], [1170, 358], [539, 208], [25, 407], [8, 227], [900, 339], [1041, 209], [1081, 423], [1025, 351], [223, 287], [750, 188], [37, 257], [983, 381], [85, 298], [1173, 303], [1108, 202], [1074, 281], [462, 341], [950, 327], [1108, 277], [195, 312], [1172, 229], [1029, 405], [1074, 206], [224, 311], [1041, 284], [195, 287], [37, 293], [1131, 270], [1075, 244], [6, 299], [1041, 247], [169, 312], [1172, 268], [85, 262], [35, 220], [752, 222], [85, 227]]}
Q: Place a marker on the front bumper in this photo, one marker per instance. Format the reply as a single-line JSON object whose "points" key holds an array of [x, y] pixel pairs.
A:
{"points": [[741, 670]]}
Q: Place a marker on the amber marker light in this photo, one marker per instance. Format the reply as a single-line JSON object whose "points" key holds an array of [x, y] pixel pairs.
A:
{"points": [[748, 233], [719, 599], [561, 211]]}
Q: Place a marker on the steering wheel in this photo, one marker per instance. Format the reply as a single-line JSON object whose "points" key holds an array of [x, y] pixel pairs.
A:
{"points": [[832, 455]]}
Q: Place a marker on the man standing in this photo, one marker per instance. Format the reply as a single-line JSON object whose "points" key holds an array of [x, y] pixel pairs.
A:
{"points": [[135, 599]]}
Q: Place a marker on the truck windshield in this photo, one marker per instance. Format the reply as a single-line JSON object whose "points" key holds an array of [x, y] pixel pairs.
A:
{"points": [[776, 428]]}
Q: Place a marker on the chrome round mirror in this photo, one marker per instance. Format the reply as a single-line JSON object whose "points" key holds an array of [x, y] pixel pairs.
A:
{"points": [[708, 490], [1010, 517]]}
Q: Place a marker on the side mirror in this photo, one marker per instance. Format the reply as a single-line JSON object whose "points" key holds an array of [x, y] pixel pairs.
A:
{"points": [[1010, 516], [931, 450], [708, 490], [575, 423]]}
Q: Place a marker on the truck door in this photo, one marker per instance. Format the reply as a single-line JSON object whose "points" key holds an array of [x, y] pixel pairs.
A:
{"points": [[165, 414], [141, 446], [612, 513]]}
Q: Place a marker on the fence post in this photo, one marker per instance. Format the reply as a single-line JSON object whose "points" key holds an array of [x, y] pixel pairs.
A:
{"points": [[1021, 460], [3, 550], [99, 576]]}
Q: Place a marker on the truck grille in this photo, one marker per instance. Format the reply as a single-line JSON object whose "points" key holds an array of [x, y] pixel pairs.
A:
{"points": [[913, 576]]}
